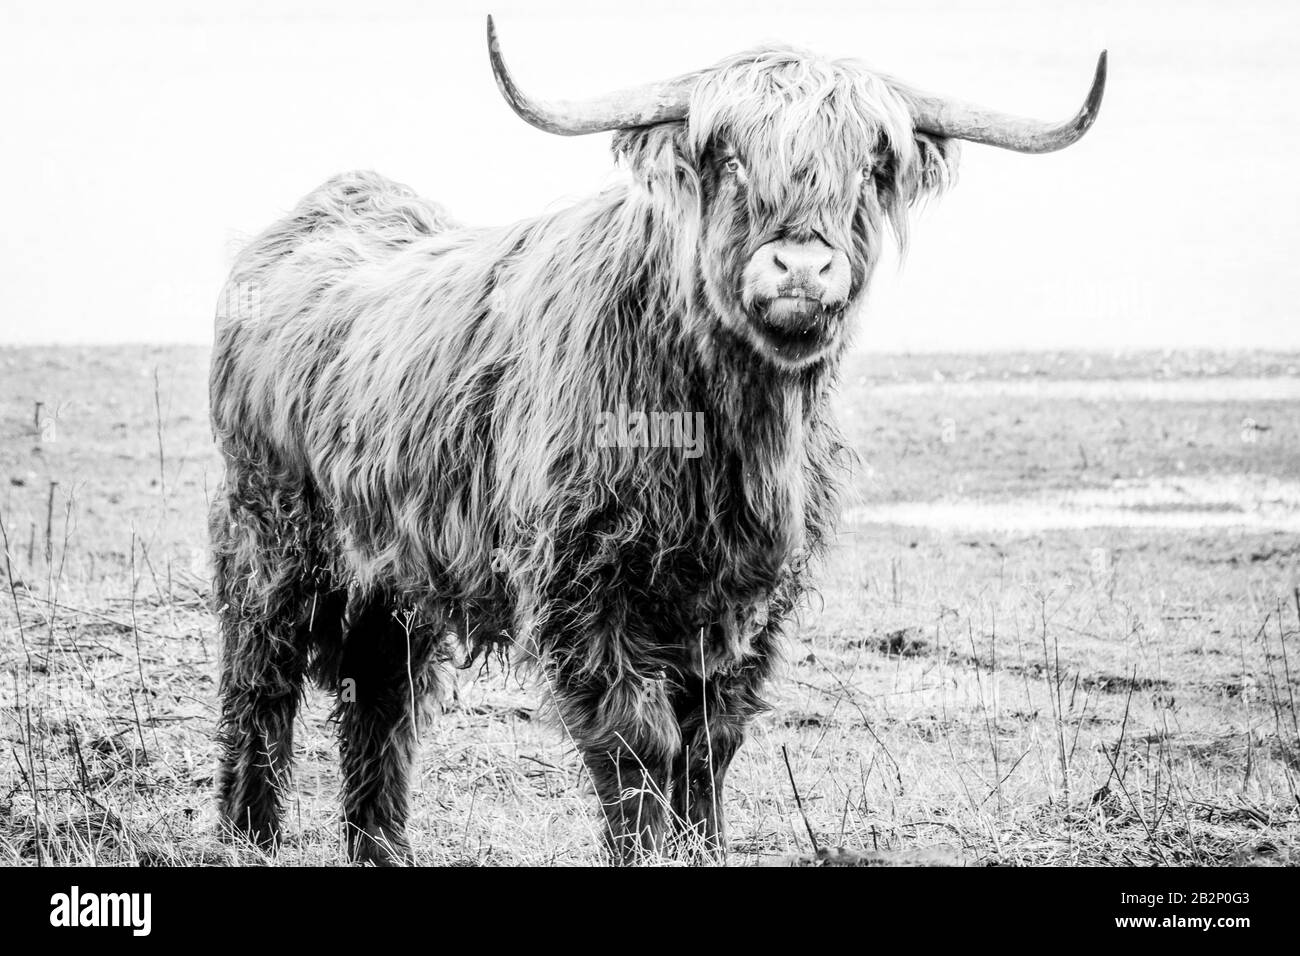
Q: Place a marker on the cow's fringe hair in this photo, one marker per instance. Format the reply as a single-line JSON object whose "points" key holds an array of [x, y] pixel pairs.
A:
{"points": [[811, 118], [407, 406]]}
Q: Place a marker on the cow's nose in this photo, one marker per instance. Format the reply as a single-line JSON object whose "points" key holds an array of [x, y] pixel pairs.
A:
{"points": [[800, 259], [811, 270]]}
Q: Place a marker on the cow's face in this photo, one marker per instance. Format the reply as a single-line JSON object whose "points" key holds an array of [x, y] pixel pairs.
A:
{"points": [[790, 168]]}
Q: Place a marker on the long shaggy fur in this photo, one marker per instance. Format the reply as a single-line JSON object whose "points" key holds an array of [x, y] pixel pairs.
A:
{"points": [[407, 410]]}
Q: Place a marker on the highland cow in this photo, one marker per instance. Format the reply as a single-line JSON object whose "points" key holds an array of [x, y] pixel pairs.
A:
{"points": [[408, 413]]}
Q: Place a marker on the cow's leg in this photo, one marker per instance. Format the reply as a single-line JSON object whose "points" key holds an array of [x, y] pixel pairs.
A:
{"points": [[264, 597], [712, 715], [386, 674], [627, 734], [261, 681]]}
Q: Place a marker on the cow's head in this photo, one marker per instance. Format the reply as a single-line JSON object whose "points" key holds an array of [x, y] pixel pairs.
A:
{"points": [[780, 173]]}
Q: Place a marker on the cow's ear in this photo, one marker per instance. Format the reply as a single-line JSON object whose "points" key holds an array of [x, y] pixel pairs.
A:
{"points": [[936, 164], [654, 155], [906, 176]]}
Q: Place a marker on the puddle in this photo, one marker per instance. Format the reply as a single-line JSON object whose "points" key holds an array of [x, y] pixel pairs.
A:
{"points": [[1206, 503], [1100, 390]]}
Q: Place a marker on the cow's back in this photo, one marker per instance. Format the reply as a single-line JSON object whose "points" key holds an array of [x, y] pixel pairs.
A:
{"points": [[271, 337]]}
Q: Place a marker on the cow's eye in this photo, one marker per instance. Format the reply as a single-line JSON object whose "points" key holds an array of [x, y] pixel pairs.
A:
{"points": [[734, 167], [865, 174]]}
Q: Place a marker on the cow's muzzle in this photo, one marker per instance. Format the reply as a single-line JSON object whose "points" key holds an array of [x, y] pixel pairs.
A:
{"points": [[794, 294], [795, 328]]}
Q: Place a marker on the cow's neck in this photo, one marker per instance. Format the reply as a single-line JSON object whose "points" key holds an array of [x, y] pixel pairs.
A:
{"points": [[763, 433]]}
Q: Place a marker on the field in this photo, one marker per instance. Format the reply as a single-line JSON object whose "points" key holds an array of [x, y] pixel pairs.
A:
{"points": [[1059, 628]]}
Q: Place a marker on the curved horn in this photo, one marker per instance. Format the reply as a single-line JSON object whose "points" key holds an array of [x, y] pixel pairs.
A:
{"points": [[943, 117], [640, 106]]}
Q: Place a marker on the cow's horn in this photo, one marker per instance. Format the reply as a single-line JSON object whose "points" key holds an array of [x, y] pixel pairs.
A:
{"points": [[942, 117], [641, 106]]}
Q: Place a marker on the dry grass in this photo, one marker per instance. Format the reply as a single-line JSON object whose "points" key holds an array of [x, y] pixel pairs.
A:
{"points": [[1086, 697]]}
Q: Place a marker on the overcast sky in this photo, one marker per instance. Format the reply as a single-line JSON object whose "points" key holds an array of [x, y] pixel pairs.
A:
{"points": [[141, 141]]}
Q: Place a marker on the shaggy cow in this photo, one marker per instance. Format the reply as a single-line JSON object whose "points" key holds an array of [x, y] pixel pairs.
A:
{"points": [[415, 422]]}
